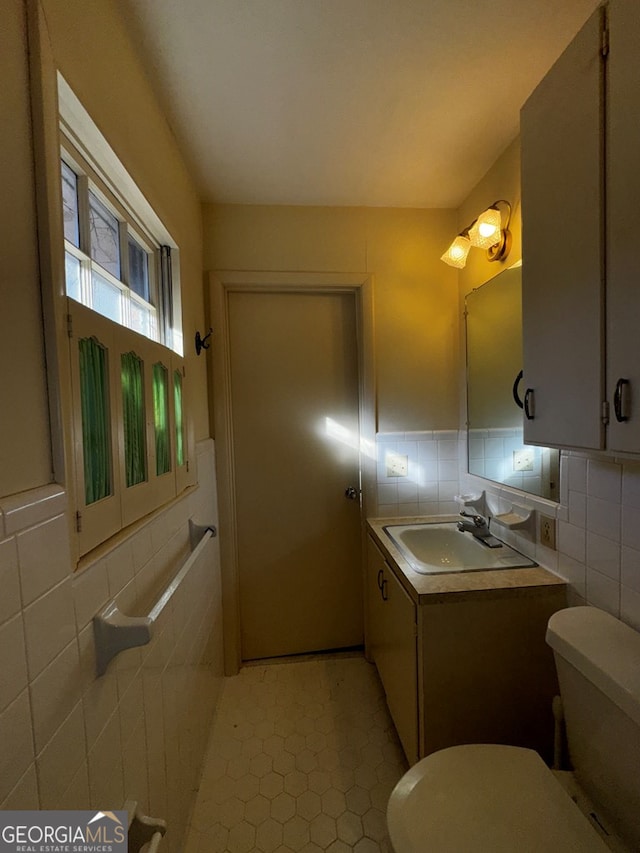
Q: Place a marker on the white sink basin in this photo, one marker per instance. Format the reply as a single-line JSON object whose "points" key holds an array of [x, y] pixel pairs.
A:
{"points": [[432, 548]]}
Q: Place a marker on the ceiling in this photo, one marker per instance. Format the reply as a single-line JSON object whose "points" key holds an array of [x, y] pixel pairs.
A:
{"points": [[396, 103]]}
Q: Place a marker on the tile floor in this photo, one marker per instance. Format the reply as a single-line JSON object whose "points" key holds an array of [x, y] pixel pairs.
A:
{"points": [[302, 757]]}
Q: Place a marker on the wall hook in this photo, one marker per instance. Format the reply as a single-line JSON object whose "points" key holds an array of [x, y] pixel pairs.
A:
{"points": [[202, 343]]}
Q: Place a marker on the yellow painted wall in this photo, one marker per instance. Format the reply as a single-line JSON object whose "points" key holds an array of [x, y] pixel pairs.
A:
{"points": [[25, 452], [416, 296], [502, 181]]}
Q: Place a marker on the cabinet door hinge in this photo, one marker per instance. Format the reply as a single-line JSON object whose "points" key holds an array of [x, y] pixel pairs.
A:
{"points": [[70, 325], [79, 522], [605, 412], [187, 466]]}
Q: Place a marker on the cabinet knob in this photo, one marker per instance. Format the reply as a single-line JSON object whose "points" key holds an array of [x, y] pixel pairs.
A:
{"points": [[621, 400], [529, 404], [383, 590], [351, 493]]}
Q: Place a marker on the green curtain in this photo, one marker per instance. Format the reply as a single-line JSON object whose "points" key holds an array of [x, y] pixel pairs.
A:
{"points": [[161, 417], [135, 457], [96, 434], [177, 397]]}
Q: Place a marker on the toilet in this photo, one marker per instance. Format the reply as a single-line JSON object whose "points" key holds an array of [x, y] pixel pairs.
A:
{"points": [[501, 799]]}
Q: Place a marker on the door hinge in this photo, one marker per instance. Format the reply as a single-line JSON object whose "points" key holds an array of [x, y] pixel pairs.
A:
{"points": [[605, 412], [78, 522], [70, 325]]}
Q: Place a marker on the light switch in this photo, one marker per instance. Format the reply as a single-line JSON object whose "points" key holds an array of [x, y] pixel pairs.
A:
{"points": [[397, 465], [523, 460]]}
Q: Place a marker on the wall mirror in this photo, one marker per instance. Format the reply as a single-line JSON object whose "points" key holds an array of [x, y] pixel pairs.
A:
{"points": [[493, 314]]}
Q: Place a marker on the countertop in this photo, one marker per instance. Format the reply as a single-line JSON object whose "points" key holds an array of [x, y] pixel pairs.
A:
{"points": [[432, 589]]}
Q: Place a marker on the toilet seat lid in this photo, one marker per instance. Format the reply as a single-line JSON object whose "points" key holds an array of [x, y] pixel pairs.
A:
{"points": [[470, 799]]}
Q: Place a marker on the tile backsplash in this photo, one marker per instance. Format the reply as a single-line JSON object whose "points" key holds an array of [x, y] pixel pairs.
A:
{"points": [[598, 517], [599, 532], [433, 472], [70, 739]]}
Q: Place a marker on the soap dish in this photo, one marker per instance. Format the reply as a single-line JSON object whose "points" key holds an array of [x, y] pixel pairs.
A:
{"points": [[518, 518]]}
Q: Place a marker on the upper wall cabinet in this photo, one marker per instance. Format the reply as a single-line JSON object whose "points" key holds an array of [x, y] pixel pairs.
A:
{"points": [[580, 190], [563, 169], [623, 195]]}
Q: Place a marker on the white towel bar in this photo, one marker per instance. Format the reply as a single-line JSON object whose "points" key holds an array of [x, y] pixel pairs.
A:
{"points": [[145, 833], [114, 631]]}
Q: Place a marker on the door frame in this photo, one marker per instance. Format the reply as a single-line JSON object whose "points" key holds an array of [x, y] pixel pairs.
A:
{"points": [[221, 285]]}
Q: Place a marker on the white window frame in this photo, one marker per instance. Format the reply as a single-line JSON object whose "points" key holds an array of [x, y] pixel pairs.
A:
{"points": [[89, 155], [87, 185]]}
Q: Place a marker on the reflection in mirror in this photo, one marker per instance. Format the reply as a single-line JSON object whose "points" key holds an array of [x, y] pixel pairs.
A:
{"points": [[494, 414]]}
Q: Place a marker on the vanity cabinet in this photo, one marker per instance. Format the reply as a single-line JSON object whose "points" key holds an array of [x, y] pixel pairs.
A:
{"points": [[462, 656], [392, 636], [580, 138]]}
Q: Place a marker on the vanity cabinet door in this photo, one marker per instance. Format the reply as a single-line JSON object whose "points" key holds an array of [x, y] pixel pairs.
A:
{"points": [[392, 643], [623, 194], [377, 568], [562, 248]]}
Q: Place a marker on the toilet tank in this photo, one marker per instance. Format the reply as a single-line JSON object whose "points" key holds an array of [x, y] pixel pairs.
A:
{"points": [[598, 663]]}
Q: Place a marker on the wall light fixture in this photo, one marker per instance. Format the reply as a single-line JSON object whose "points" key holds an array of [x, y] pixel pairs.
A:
{"points": [[485, 232]]}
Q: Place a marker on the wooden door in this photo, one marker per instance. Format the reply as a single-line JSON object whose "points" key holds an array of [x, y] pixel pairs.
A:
{"points": [[295, 433], [562, 247]]}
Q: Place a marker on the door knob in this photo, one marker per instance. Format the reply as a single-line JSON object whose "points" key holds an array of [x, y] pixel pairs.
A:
{"points": [[351, 493]]}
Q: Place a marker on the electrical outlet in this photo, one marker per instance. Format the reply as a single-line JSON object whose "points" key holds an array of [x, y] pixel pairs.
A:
{"points": [[548, 532]]}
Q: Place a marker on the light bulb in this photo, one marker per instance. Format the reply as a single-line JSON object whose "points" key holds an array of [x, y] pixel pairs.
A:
{"points": [[485, 231], [456, 254]]}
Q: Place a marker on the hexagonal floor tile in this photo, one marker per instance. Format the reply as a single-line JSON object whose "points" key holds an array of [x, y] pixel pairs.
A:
{"points": [[302, 757], [283, 807]]}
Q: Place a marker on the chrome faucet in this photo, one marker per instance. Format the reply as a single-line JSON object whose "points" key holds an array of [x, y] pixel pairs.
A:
{"points": [[478, 526]]}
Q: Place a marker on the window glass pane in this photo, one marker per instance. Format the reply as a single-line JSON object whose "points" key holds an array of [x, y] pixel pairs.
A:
{"points": [[72, 276], [138, 269], [177, 397], [94, 401], [161, 417], [143, 319], [105, 241], [70, 204], [135, 454], [106, 298]]}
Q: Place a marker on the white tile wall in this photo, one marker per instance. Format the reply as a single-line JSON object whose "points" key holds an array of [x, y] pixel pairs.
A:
{"points": [[432, 480], [598, 518], [598, 529], [69, 739]]}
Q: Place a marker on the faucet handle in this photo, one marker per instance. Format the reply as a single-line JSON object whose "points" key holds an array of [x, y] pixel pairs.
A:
{"points": [[477, 519]]}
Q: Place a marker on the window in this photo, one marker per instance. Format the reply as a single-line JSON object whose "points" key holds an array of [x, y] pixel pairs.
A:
{"points": [[129, 392], [109, 266]]}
